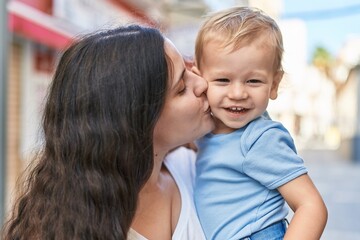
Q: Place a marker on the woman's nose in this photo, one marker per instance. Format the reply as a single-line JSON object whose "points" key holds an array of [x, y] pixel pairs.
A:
{"points": [[200, 85]]}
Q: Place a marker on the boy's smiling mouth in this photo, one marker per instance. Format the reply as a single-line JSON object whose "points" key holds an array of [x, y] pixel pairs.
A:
{"points": [[236, 109]]}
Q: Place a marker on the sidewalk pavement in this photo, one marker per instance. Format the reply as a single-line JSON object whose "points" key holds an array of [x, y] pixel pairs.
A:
{"points": [[338, 181]]}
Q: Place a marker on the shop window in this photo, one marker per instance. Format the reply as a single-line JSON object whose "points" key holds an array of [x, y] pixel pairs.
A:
{"points": [[44, 59]]}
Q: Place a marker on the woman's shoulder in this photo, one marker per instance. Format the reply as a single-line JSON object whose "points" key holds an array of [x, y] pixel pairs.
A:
{"points": [[181, 164]]}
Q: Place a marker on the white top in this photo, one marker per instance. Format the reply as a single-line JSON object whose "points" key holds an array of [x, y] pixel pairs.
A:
{"points": [[181, 165]]}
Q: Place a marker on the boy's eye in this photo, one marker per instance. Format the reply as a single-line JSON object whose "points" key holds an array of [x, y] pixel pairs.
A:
{"points": [[253, 81], [222, 80]]}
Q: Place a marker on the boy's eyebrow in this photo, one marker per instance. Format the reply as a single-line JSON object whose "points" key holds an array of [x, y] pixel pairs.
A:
{"points": [[220, 72]]}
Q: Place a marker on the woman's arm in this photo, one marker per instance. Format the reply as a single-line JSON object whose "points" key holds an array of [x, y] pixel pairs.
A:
{"points": [[310, 212]]}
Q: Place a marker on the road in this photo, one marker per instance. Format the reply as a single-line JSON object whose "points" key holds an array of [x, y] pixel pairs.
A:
{"points": [[338, 181]]}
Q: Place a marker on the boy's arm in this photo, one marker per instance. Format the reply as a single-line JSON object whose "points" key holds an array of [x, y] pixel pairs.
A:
{"points": [[310, 213]]}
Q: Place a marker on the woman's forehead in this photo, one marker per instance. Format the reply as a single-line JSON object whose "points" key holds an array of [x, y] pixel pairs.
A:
{"points": [[172, 51], [176, 64]]}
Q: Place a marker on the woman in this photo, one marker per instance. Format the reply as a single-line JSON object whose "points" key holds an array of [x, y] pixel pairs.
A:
{"points": [[120, 101]]}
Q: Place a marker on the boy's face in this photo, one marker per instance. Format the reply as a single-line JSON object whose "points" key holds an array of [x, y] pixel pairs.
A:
{"points": [[240, 82]]}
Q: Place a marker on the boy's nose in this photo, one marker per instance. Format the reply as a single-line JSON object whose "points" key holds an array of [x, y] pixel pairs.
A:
{"points": [[237, 92]]}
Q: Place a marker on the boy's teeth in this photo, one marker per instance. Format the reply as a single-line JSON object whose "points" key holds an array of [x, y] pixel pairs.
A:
{"points": [[236, 108]]}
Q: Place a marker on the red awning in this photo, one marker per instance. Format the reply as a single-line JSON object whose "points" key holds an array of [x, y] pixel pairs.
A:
{"points": [[39, 26]]}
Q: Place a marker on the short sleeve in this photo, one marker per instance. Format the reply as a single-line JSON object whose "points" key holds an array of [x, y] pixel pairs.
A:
{"points": [[270, 154]]}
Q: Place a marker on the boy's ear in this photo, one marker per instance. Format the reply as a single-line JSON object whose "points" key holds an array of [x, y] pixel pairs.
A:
{"points": [[275, 84], [189, 61]]}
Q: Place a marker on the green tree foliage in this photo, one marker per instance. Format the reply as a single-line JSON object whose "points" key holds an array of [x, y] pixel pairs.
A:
{"points": [[323, 60]]}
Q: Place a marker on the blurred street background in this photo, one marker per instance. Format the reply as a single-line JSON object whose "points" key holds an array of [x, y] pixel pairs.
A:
{"points": [[319, 100], [338, 180]]}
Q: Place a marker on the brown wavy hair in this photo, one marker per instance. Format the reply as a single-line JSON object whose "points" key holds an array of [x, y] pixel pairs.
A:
{"points": [[105, 98]]}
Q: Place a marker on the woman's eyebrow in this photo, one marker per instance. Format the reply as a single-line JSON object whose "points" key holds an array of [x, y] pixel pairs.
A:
{"points": [[182, 74], [179, 79]]}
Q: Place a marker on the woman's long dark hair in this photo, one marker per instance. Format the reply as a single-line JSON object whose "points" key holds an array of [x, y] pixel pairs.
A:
{"points": [[106, 96]]}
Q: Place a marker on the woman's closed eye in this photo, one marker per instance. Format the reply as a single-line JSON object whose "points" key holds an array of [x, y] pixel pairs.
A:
{"points": [[182, 90], [182, 85]]}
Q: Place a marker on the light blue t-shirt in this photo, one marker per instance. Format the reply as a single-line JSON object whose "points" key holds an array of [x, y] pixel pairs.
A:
{"points": [[238, 175]]}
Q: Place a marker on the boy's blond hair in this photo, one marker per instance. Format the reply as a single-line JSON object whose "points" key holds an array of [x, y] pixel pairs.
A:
{"points": [[237, 26]]}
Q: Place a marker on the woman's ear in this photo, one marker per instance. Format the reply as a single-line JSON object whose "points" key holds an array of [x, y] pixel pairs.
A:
{"points": [[275, 84]]}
